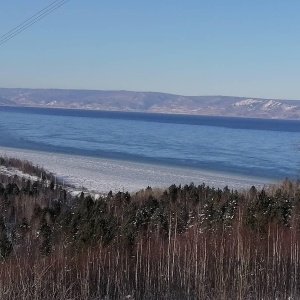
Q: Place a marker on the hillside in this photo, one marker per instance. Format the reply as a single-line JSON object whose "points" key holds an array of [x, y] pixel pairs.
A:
{"points": [[152, 102], [184, 242]]}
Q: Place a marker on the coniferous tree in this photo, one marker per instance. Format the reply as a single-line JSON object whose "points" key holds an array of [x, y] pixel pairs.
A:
{"points": [[46, 234], [5, 244]]}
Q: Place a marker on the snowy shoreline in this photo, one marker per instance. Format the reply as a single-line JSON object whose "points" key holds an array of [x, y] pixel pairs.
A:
{"points": [[103, 175]]}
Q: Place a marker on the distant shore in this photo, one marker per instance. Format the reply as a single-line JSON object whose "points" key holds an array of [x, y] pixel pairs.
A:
{"points": [[152, 102], [103, 175]]}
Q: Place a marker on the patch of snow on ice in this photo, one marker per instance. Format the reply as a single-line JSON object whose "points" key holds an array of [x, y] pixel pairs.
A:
{"points": [[102, 175]]}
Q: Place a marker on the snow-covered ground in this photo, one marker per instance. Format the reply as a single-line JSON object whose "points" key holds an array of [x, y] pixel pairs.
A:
{"points": [[103, 175], [13, 171]]}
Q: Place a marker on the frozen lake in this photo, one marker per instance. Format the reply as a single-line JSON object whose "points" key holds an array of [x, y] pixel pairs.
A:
{"points": [[121, 150]]}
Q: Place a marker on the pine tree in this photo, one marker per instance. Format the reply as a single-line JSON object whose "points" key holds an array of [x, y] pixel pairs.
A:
{"points": [[46, 233], [5, 244]]}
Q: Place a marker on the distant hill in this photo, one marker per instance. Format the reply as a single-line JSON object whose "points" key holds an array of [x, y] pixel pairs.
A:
{"points": [[4, 101], [152, 102]]}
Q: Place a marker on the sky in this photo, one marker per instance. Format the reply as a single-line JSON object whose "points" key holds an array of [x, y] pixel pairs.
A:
{"points": [[193, 47]]}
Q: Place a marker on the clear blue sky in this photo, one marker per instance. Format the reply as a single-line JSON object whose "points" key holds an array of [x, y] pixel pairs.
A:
{"points": [[212, 47]]}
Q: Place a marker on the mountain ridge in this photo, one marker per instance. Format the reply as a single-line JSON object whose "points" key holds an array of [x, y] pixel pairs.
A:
{"points": [[152, 102]]}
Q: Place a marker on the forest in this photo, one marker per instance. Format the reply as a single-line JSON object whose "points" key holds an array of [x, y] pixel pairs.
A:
{"points": [[184, 242]]}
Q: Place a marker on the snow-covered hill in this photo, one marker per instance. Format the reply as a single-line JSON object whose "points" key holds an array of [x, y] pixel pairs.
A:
{"points": [[152, 102]]}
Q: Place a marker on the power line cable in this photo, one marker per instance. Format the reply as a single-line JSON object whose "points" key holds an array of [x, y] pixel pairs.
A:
{"points": [[29, 22], [1, 37]]}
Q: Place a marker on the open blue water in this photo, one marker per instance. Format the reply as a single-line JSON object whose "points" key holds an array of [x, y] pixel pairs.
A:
{"points": [[255, 147]]}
